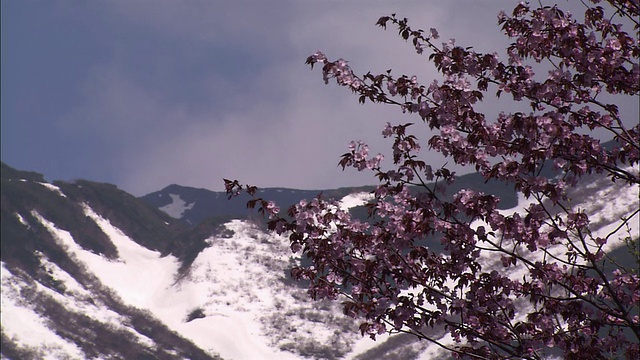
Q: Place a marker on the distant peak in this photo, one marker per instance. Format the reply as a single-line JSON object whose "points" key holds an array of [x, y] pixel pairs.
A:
{"points": [[9, 173]]}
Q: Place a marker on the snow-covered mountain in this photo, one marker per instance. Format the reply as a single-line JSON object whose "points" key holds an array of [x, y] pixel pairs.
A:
{"points": [[89, 271], [192, 205]]}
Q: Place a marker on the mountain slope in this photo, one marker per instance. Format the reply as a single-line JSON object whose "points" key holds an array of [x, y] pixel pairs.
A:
{"points": [[89, 271], [76, 285], [52, 303]]}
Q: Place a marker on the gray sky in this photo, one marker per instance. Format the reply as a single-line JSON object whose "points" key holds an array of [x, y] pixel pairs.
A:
{"points": [[143, 94]]}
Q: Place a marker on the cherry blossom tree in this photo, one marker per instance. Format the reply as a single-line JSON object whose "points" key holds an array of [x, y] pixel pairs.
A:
{"points": [[382, 268]]}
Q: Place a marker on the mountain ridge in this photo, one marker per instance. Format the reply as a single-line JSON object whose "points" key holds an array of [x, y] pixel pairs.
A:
{"points": [[95, 272], [193, 205], [64, 270], [43, 283]]}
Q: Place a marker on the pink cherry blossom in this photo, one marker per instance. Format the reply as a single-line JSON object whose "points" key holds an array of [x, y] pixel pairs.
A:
{"points": [[383, 268]]}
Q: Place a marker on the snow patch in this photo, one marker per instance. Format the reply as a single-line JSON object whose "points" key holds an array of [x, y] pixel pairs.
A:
{"points": [[75, 300], [235, 288], [177, 207], [28, 329], [52, 188], [22, 220], [356, 199], [138, 276], [232, 297], [153, 274]]}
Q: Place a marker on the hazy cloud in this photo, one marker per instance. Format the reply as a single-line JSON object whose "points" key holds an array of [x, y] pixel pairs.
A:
{"points": [[149, 93]]}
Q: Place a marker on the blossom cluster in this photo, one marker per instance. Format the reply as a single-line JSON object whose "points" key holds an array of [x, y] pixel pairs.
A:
{"points": [[417, 262]]}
